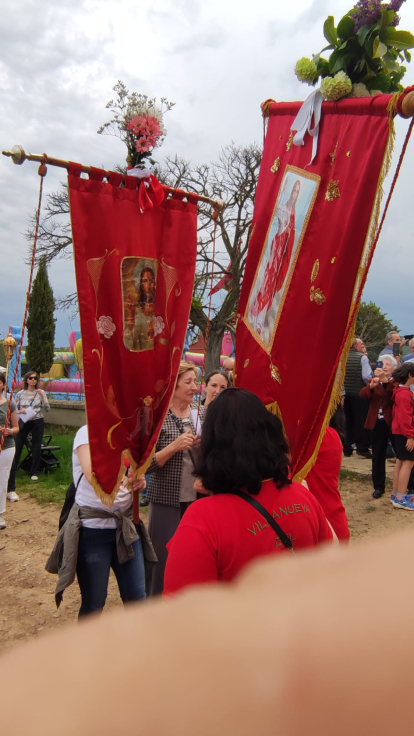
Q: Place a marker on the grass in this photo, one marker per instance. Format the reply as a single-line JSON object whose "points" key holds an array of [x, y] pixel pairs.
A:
{"points": [[51, 487]]}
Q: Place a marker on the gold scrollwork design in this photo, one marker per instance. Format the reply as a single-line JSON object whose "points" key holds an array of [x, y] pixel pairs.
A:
{"points": [[315, 270], [332, 191], [333, 154], [275, 166], [274, 372], [246, 363], [317, 296], [290, 141]]}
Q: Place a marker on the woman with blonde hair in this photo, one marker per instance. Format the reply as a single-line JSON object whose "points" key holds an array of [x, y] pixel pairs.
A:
{"points": [[170, 490]]}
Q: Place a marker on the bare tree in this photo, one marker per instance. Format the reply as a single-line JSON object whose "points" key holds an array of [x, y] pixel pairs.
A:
{"points": [[232, 178]]}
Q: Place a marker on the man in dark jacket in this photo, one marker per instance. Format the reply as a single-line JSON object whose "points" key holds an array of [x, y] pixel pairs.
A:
{"points": [[357, 374], [379, 394]]}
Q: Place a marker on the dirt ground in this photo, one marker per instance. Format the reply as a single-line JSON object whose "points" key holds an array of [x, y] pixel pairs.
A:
{"points": [[27, 607]]}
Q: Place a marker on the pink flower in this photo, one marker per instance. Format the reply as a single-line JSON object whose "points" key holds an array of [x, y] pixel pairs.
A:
{"points": [[143, 144], [105, 326], [158, 325], [147, 130]]}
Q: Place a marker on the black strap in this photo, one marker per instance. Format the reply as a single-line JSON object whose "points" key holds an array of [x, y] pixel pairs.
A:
{"points": [[181, 431], [269, 518]]}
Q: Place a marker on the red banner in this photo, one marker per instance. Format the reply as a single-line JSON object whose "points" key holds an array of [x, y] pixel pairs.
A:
{"points": [[135, 256], [312, 234]]}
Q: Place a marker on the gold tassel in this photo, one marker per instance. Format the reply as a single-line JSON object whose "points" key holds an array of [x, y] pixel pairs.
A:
{"points": [[392, 105]]}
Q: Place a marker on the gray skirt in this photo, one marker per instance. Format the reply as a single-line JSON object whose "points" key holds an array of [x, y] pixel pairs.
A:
{"points": [[162, 525]]}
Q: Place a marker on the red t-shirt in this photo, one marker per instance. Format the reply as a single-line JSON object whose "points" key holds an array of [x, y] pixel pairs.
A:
{"points": [[402, 412], [323, 483], [220, 534]]}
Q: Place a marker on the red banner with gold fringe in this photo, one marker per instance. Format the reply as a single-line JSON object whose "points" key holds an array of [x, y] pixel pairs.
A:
{"points": [[312, 234], [135, 254]]}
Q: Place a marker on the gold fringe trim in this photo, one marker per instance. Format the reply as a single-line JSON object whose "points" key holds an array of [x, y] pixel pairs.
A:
{"points": [[274, 409], [108, 498], [392, 106], [369, 244], [333, 404], [142, 469]]}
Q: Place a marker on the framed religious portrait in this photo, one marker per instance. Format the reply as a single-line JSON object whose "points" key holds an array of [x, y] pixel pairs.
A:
{"points": [[139, 285], [290, 217]]}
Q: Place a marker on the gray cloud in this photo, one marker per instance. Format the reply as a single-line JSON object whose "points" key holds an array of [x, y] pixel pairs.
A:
{"points": [[218, 61]]}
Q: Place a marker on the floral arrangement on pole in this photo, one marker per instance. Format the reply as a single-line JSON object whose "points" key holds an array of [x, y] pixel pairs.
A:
{"points": [[366, 53], [138, 121]]}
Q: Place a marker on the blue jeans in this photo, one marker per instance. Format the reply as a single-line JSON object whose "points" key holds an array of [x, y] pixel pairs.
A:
{"points": [[96, 555]]}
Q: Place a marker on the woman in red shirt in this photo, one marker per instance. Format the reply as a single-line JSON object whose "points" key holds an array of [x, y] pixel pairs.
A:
{"points": [[243, 448], [323, 478], [403, 433]]}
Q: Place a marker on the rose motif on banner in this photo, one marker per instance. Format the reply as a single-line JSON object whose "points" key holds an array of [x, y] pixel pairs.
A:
{"points": [[158, 325], [105, 326]]}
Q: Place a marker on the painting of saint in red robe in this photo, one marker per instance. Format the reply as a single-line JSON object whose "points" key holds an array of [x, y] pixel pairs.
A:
{"points": [[281, 249]]}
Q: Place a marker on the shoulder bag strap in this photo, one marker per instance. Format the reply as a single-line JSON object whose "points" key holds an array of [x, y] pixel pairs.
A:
{"points": [[269, 518], [79, 480], [181, 431]]}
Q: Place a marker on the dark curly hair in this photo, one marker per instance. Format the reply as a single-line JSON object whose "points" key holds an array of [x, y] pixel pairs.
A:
{"points": [[404, 372], [242, 444]]}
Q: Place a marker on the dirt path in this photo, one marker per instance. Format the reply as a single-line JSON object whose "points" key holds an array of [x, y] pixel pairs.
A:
{"points": [[27, 606]]}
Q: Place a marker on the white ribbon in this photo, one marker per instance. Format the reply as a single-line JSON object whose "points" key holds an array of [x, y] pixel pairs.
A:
{"points": [[139, 173], [311, 108]]}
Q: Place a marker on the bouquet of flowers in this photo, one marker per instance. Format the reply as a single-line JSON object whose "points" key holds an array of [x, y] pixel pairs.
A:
{"points": [[366, 51], [139, 121]]}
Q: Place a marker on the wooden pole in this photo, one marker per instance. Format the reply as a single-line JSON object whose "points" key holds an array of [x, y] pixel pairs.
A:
{"points": [[18, 155], [407, 106]]}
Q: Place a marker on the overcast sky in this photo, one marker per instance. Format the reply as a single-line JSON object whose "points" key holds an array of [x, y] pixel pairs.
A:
{"points": [[217, 59]]}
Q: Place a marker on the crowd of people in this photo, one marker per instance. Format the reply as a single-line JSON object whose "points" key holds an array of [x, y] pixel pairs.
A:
{"points": [[219, 487], [220, 494], [379, 406]]}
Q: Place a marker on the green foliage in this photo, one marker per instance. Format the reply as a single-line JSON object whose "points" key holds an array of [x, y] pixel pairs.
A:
{"points": [[369, 56], [51, 488], [372, 326], [2, 355], [41, 323]]}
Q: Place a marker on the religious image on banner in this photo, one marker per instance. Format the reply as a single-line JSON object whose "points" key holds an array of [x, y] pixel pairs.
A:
{"points": [[139, 279], [281, 249]]}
